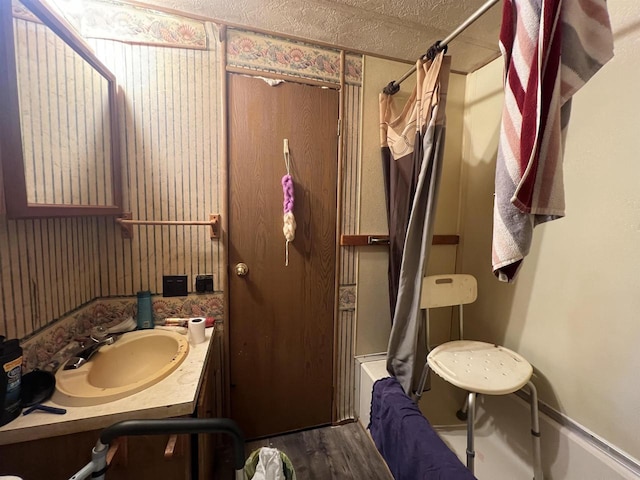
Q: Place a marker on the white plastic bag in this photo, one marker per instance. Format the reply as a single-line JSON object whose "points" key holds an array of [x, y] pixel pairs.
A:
{"points": [[269, 465]]}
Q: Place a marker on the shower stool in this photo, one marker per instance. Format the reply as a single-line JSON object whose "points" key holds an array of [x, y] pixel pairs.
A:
{"points": [[477, 367]]}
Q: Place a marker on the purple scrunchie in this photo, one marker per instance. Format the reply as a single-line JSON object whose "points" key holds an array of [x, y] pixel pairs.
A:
{"points": [[287, 188]]}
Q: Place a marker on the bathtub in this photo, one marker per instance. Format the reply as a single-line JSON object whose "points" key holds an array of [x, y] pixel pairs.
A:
{"points": [[569, 451], [369, 368]]}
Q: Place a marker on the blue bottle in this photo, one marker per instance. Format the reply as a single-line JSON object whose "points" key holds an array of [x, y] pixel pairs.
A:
{"points": [[145, 310]]}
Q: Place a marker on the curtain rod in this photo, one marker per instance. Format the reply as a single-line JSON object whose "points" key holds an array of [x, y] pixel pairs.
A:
{"points": [[440, 45]]}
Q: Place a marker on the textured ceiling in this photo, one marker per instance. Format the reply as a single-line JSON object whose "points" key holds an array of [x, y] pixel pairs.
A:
{"points": [[402, 29]]}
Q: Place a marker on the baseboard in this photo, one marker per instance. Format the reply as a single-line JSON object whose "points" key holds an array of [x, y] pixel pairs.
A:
{"points": [[597, 442]]}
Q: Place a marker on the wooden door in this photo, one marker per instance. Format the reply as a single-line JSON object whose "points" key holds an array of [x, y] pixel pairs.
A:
{"points": [[281, 317]]}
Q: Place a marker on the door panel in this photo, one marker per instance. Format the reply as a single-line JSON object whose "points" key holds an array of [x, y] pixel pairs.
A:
{"points": [[281, 317]]}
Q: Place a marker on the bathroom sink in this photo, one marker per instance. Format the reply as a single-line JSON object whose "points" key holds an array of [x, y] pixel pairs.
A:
{"points": [[136, 361]]}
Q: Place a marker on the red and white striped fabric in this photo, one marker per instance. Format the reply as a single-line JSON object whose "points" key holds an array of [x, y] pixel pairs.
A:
{"points": [[550, 48]]}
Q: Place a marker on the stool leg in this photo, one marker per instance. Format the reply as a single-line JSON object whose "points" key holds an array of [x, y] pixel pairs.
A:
{"points": [[462, 413], [471, 418], [535, 432], [424, 383]]}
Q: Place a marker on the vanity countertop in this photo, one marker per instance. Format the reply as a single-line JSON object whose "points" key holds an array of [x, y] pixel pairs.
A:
{"points": [[174, 396]]}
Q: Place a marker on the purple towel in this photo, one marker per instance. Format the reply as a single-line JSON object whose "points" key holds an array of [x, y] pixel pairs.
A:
{"points": [[406, 440]]}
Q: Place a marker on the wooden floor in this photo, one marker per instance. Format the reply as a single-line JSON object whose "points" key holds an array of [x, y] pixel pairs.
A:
{"points": [[344, 452]]}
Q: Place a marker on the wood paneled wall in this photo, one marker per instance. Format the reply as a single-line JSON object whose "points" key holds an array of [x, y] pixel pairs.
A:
{"points": [[348, 257], [47, 268], [351, 176], [171, 160]]}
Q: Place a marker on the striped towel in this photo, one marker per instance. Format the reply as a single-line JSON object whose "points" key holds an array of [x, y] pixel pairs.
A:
{"points": [[551, 49]]}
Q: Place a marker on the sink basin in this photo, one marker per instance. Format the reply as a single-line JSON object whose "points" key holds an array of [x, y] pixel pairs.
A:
{"points": [[136, 361]]}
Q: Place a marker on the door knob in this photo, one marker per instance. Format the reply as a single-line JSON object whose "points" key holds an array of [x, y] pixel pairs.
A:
{"points": [[242, 269]]}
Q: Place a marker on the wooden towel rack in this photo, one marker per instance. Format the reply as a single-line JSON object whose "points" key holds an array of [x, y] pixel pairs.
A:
{"points": [[126, 223]]}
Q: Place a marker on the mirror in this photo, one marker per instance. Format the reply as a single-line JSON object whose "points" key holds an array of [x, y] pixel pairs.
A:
{"points": [[58, 132]]}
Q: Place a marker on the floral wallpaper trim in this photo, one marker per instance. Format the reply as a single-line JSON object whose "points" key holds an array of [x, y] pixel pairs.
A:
{"points": [[53, 345], [353, 69], [257, 51], [116, 20], [347, 298], [18, 10]]}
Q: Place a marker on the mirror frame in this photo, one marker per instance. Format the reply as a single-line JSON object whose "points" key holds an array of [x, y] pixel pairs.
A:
{"points": [[11, 152]]}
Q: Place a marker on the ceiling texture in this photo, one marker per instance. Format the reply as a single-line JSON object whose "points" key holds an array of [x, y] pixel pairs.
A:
{"points": [[400, 29]]}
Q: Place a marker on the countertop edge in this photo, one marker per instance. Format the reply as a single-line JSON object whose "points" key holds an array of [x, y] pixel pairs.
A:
{"points": [[38, 432]]}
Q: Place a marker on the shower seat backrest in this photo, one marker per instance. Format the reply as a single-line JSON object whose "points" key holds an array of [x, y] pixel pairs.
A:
{"points": [[448, 290]]}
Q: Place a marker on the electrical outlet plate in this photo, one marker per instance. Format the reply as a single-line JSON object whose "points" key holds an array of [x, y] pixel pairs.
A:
{"points": [[204, 283], [174, 285]]}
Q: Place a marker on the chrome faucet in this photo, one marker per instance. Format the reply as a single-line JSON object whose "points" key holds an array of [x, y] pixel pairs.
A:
{"points": [[81, 357]]}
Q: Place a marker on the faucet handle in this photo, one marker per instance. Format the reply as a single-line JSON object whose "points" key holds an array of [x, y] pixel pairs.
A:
{"points": [[83, 342], [98, 333], [83, 355], [73, 363]]}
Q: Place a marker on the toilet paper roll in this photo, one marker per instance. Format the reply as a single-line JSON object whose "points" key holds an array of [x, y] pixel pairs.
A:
{"points": [[196, 330]]}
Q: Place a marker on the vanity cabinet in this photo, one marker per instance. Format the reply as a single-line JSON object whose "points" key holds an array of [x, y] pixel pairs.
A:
{"points": [[183, 457], [60, 457], [210, 406]]}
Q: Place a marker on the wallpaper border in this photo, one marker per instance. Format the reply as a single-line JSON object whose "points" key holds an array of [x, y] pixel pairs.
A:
{"points": [[49, 348], [268, 53], [116, 20]]}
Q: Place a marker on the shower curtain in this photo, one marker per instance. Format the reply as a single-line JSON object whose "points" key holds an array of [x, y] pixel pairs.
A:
{"points": [[412, 147]]}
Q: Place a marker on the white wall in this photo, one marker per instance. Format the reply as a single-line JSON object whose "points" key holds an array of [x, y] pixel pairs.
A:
{"points": [[573, 310]]}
